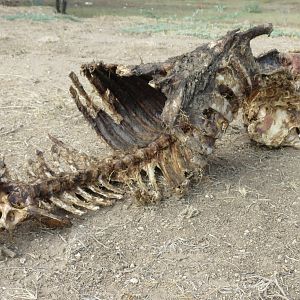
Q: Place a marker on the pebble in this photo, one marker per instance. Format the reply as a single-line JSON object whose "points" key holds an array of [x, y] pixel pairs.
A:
{"points": [[77, 255], [22, 260], [5, 252], [134, 280]]}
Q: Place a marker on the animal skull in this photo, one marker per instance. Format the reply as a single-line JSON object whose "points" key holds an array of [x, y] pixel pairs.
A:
{"points": [[9, 215]]}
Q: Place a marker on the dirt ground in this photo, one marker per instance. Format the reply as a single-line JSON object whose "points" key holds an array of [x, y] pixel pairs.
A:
{"points": [[235, 235]]}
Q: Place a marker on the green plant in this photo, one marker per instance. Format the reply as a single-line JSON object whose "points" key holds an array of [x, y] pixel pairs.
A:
{"points": [[220, 8], [253, 8], [39, 17]]}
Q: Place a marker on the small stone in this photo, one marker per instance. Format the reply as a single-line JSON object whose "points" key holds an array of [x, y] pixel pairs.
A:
{"points": [[22, 260], [134, 280], [189, 212], [7, 252], [77, 256]]}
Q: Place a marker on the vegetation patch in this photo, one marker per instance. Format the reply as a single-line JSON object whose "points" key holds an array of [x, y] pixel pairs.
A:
{"points": [[40, 17]]}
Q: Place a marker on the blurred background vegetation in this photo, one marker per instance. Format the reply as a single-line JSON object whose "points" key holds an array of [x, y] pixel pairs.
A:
{"points": [[205, 19]]}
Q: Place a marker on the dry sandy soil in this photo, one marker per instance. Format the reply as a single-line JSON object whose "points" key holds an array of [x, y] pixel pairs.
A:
{"points": [[236, 235]]}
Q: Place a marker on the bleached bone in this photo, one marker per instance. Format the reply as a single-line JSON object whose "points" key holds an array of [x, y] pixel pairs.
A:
{"points": [[72, 199], [93, 199], [66, 206], [108, 195]]}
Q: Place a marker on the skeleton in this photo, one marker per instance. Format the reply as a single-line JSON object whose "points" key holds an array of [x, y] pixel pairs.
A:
{"points": [[162, 120]]}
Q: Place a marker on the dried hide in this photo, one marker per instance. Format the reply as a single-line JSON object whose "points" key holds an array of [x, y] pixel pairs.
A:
{"points": [[272, 112], [163, 120]]}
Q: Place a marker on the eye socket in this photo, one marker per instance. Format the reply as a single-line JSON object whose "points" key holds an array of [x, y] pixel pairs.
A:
{"points": [[10, 216], [15, 200], [226, 92]]}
